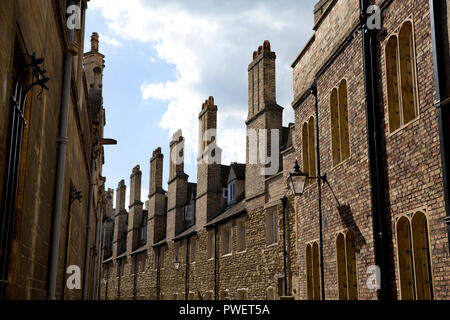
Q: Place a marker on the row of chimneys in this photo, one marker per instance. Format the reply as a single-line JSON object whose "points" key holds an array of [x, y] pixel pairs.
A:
{"points": [[165, 210]]}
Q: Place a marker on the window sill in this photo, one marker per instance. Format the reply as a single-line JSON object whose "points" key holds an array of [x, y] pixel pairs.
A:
{"points": [[403, 128], [240, 252], [272, 245], [340, 164], [227, 255]]}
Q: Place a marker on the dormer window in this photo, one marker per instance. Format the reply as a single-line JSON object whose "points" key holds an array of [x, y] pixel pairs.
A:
{"points": [[188, 214], [231, 192]]}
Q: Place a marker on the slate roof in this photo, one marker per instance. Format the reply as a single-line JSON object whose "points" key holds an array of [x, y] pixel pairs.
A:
{"points": [[225, 171], [228, 213], [239, 171]]}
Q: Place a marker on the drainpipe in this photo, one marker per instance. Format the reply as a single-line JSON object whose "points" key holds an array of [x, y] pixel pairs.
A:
{"points": [[284, 202], [100, 258], [88, 231], [60, 171], [135, 277], [158, 274], [375, 155], [319, 190], [216, 286], [187, 270], [442, 99], [98, 252]]}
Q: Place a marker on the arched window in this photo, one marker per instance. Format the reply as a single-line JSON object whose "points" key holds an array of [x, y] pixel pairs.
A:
{"points": [[414, 258], [422, 265], [343, 120], [346, 266], [340, 141], [308, 149], [312, 154], [305, 148], [406, 46], [392, 83], [401, 77], [350, 250], [270, 293], [313, 271], [316, 271], [341, 267], [335, 131], [309, 278]]}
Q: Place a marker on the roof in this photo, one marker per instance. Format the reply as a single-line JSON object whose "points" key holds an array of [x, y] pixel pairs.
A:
{"points": [[228, 213], [224, 172], [163, 241], [185, 233], [237, 171], [286, 138]]}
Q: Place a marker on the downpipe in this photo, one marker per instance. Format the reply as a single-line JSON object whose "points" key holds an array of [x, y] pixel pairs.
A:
{"points": [[442, 101], [88, 232], [375, 156], [60, 173]]}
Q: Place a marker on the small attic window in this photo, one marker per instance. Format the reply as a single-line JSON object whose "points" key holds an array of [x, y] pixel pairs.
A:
{"points": [[225, 193], [231, 192]]}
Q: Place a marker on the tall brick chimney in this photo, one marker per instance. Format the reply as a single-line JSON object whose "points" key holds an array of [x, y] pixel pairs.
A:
{"points": [[263, 114], [178, 187], [209, 187], [120, 217], [94, 42], [135, 215], [156, 227], [109, 203], [156, 172]]}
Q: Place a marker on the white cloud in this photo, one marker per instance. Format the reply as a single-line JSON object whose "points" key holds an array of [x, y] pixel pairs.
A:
{"points": [[144, 196], [109, 41], [210, 44]]}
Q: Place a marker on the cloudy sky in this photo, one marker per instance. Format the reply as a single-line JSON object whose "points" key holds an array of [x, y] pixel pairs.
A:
{"points": [[164, 58]]}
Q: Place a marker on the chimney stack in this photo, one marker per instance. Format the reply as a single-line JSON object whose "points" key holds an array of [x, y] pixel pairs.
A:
{"points": [[94, 42], [120, 218], [156, 227], [178, 186], [135, 215]]}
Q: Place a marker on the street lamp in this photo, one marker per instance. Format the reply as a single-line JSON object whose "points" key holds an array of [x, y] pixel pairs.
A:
{"points": [[296, 180], [176, 263]]}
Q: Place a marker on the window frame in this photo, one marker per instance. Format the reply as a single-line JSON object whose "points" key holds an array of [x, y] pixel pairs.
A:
{"points": [[241, 236], [344, 235], [396, 33], [271, 217], [211, 243], [409, 217], [225, 242], [339, 141]]}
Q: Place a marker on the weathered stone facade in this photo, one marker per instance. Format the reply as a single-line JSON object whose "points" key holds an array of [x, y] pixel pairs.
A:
{"points": [[207, 258], [39, 27]]}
